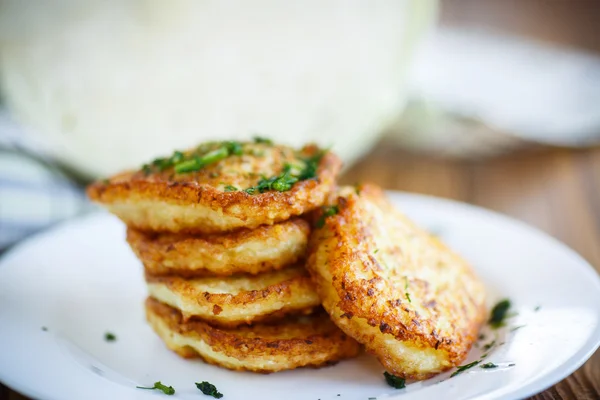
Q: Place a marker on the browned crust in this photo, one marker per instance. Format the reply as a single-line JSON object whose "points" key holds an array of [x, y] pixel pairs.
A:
{"points": [[249, 210], [296, 340], [363, 293], [220, 254], [293, 291]]}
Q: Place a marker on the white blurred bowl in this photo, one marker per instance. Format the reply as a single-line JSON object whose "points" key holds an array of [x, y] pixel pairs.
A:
{"points": [[109, 84]]}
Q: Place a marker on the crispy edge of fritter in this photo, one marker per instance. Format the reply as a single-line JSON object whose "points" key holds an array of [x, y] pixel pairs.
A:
{"points": [[293, 292], [260, 348], [225, 254], [332, 262], [193, 207]]}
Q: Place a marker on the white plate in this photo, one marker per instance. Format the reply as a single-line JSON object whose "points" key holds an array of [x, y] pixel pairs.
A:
{"points": [[81, 281]]}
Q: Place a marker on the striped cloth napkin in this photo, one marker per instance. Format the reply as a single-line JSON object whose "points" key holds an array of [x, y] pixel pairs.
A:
{"points": [[35, 193]]}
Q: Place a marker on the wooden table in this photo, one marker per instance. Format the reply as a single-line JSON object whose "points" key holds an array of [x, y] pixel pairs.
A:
{"points": [[556, 190]]}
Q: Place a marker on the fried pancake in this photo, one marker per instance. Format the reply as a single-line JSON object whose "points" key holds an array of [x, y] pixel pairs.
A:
{"points": [[236, 300], [251, 251], [219, 187], [292, 343], [393, 287]]}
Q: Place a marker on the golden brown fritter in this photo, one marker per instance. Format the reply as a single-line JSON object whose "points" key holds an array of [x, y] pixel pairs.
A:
{"points": [[240, 299], [291, 343], [251, 251], [219, 187], [393, 287]]}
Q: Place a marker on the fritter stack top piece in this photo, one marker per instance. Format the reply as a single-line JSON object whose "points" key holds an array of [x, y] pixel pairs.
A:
{"points": [[219, 187]]}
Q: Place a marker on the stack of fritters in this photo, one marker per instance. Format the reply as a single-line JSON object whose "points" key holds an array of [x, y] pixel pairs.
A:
{"points": [[220, 234]]}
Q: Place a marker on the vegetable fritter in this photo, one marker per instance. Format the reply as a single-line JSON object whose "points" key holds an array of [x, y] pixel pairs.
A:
{"points": [[394, 287], [219, 187]]}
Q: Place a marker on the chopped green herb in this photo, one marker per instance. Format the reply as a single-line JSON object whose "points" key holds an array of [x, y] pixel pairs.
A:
{"points": [[408, 297], [327, 211], [105, 181], [110, 337], [209, 389], [394, 381], [372, 398], [213, 175], [259, 139], [235, 148], [196, 162], [311, 166], [517, 328], [168, 390], [484, 355], [498, 314], [481, 337], [511, 365], [406, 288], [463, 368], [488, 365], [44, 329], [229, 188], [489, 345], [376, 250], [537, 308], [288, 177], [146, 169]]}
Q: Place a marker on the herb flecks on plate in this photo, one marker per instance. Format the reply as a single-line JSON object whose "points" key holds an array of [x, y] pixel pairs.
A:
{"points": [[394, 381], [209, 389], [499, 314], [463, 368], [168, 390], [110, 337], [489, 365], [489, 345]]}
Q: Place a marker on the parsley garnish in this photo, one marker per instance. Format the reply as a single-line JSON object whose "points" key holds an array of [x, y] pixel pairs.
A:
{"points": [[537, 308], [481, 336], [44, 329], [499, 314], [168, 390], [288, 177], [489, 345], [327, 211], [209, 389], [230, 188], [259, 139], [394, 381], [376, 250], [405, 289], [517, 328], [110, 337], [464, 368], [488, 365]]}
